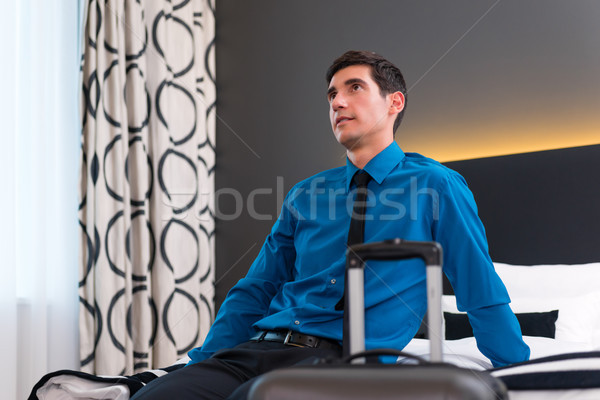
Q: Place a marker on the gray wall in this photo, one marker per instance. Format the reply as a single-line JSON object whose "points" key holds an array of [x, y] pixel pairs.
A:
{"points": [[477, 71]]}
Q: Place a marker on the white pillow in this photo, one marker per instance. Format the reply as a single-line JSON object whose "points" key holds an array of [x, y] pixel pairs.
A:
{"points": [[545, 281], [578, 317]]}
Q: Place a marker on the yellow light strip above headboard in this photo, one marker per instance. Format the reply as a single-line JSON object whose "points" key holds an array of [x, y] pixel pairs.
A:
{"points": [[468, 144]]}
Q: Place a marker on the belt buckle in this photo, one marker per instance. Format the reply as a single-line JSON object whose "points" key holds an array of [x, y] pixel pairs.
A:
{"points": [[288, 336]]}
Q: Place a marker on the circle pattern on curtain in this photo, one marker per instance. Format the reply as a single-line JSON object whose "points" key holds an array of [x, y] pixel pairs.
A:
{"points": [[146, 183]]}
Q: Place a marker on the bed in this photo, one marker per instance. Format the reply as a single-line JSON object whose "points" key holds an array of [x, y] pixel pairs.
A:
{"points": [[558, 307], [542, 217]]}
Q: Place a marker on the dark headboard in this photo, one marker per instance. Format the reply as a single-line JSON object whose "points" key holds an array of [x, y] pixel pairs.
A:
{"points": [[539, 208]]}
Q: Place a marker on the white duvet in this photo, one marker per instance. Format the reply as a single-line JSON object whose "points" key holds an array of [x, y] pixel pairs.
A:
{"points": [[464, 352]]}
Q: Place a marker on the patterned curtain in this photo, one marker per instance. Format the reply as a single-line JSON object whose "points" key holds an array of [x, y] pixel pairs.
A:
{"points": [[146, 182]]}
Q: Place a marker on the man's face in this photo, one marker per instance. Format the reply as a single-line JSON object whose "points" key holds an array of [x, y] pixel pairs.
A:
{"points": [[358, 112]]}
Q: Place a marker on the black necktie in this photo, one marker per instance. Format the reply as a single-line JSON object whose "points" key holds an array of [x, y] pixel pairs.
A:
{"points": [[356, 233]]}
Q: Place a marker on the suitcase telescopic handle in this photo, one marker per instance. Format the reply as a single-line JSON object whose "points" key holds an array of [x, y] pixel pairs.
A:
{"points": [[393, 249]]}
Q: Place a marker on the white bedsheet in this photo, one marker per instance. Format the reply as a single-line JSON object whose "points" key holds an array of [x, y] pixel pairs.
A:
{"points": [[464, 352]]}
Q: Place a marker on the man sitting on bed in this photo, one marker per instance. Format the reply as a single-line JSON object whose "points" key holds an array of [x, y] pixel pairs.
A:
{"points": [[284, 311]]}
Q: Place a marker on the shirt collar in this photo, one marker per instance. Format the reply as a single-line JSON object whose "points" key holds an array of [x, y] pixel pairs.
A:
{"points": [[380, 166]]}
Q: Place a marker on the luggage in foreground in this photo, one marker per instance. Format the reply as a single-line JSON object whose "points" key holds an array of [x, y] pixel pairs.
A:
{"points": [[378, 382], [351, 378]]}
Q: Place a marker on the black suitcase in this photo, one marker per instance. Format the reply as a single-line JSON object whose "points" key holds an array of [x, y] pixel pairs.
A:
{"points": [[352, 378]]}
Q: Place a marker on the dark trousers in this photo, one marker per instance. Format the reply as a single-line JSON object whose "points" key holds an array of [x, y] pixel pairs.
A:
{"points": [[229, 374]]}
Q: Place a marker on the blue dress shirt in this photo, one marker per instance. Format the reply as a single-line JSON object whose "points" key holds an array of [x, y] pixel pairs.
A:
{"points": [[298, 276]]}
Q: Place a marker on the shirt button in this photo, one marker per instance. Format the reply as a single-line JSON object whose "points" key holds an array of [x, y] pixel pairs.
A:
{"points": [[297, 322], [333, 281]]}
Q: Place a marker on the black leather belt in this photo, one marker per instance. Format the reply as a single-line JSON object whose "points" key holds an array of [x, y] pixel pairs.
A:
{"points": [[292, 338]]}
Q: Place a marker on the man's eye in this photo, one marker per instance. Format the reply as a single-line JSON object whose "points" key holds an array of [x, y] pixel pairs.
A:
{"points": [[331, 97], [356, 87]]}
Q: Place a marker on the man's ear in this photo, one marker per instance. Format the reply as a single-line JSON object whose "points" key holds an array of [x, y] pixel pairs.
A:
{"points": [[397, 104]]}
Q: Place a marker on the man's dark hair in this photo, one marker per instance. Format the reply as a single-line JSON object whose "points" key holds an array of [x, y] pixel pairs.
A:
{"points": [[387, 76]]}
